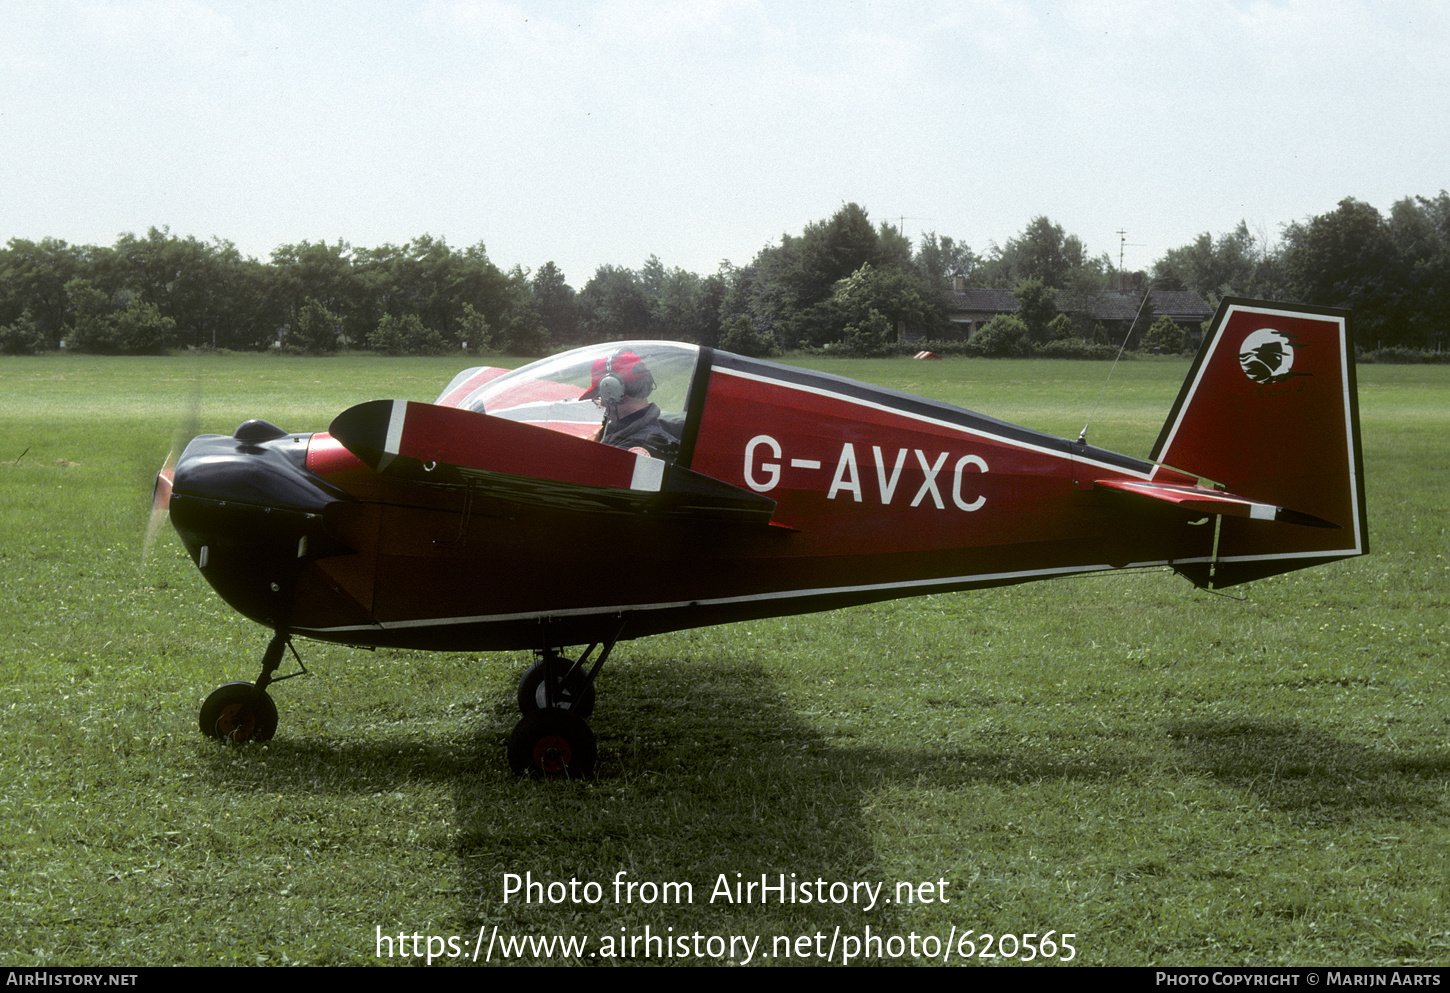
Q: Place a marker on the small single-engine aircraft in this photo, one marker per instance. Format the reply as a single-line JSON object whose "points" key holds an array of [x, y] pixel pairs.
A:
{"points": [[635, 488]]}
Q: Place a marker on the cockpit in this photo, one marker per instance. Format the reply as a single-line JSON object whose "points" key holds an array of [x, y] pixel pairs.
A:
{"points": [[627, 394]]}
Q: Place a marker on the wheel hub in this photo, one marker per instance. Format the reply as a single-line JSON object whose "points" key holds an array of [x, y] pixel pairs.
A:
{"points": [[236, 722], [552, 754]]}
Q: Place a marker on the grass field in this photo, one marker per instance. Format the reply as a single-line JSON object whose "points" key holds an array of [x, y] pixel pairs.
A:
{"points": [[1172, 777]]}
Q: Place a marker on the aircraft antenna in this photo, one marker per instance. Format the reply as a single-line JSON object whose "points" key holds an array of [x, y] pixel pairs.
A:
{"points": [[1147, 292]]}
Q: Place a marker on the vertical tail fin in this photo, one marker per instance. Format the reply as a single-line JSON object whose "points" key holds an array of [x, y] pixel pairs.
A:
{"points": [[1270, 410]]}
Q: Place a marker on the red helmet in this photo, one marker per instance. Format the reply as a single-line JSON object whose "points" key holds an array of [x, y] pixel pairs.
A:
{"points": [[613, 377]]}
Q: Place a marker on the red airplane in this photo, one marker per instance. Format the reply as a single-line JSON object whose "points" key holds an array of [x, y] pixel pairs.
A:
{"points": [[630, 489]]}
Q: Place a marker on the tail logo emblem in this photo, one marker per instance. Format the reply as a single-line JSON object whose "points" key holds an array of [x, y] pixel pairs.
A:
{"points": [[1267, 356]]}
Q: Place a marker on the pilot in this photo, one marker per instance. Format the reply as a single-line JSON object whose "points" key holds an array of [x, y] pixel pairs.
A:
{"points": [[621, 383]]}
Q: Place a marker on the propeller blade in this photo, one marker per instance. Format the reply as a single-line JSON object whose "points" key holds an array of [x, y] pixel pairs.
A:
{"points": [[187, 429], [160, 506]]}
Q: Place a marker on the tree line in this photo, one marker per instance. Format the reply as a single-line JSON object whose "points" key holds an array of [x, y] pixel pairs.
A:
{"points": [[1392, 272], [842, 283]]}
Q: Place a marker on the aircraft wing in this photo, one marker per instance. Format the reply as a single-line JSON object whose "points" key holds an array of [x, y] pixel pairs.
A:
{"points": [[525, 463], [1200, 499]]}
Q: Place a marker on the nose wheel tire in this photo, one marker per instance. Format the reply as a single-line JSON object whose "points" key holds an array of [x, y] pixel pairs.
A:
{"points": [[552, 743], [239, 712]]}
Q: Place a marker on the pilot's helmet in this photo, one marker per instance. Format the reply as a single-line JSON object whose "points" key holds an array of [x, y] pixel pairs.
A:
{"points": [[614, 377]]}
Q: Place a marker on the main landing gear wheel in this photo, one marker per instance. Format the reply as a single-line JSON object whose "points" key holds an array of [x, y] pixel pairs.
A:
{"points": [[239, 712], [575, 694], [552, 743]]}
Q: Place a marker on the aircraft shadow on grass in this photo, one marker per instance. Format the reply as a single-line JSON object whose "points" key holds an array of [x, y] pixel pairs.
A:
{"points": [[1314, 776], [716, 771]]}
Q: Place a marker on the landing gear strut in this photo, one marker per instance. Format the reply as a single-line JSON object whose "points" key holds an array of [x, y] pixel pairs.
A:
{"points": [[555, 695], [570, 684], [243, 711]]}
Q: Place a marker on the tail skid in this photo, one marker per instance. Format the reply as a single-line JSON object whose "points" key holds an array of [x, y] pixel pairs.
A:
{"points": [[1270, 412]]}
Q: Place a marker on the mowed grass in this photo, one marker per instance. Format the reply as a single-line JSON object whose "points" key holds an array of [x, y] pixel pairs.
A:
{"points": [[1173, 777]]}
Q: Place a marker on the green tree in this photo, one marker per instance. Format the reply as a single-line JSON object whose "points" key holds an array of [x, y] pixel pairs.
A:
{"points": [[316, 330], [741, 336], [519, 331], [250, 314], [141, 329], [709, 305], [1234, 264], [1142, 321], [614, 306], [324, 275], [677, 310], [1003, 337], [790, 285], [406, 335], [831, 250], [940, 258], [793, 289], [427, 278], [99, 326], [1419, 228], [89, 319], [652, 276], [893, 248], [1063, 328], [33, 278], [21, 336], [1347, 258], [1043, 251], [182, 277], [1164, 337], [1036, 306], [553, 300], [886, 298], [869, 335], [475, 330], [495, 294]]}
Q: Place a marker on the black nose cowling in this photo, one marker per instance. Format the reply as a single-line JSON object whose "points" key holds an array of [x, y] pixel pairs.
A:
{"points": [[250, 514]]}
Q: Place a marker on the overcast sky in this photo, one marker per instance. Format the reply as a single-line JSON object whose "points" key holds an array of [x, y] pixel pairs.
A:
{"points": [[594, 133]]}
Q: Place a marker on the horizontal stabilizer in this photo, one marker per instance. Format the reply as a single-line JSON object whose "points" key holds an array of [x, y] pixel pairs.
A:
{"points": [[1201, 500]]}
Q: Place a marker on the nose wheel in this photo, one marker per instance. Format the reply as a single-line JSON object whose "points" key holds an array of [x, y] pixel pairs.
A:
{"points": [[239, 712], [243, 711]]}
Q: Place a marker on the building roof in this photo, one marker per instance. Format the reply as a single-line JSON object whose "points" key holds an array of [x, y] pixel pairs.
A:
{"points": [[1175, 302], [1114, 306], [990, 301]]}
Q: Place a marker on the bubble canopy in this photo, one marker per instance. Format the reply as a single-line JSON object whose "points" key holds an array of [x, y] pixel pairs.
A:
{"points": [[550, 392]]}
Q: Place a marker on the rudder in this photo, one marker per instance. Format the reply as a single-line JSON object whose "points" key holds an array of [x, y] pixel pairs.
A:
{"points": [[1270, 411]]}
